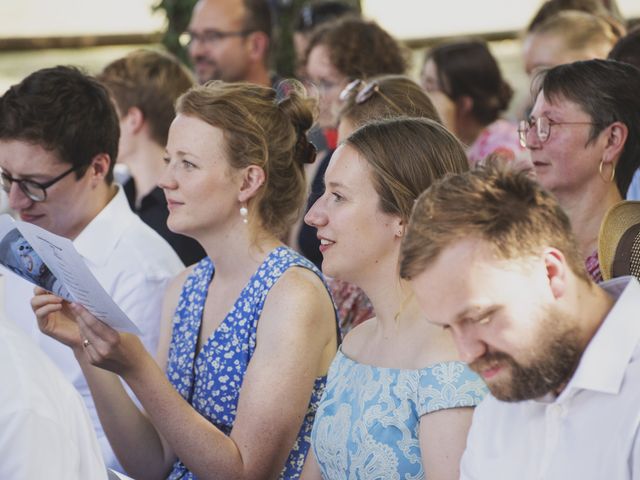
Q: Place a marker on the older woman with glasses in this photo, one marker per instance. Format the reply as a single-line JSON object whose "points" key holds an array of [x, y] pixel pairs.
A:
{"points": [[584, 137]]}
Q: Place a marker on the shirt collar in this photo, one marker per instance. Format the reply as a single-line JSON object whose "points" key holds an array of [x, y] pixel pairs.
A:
{"points": [[98, 239], [604, 361]]}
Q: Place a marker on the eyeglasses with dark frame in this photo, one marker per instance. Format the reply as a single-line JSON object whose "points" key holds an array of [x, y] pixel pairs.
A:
{"points": [[36, 191], [211, 36], [543, 128]]}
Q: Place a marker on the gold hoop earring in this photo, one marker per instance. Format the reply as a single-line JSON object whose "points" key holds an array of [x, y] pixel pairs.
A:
{"points": [[611, 177]]}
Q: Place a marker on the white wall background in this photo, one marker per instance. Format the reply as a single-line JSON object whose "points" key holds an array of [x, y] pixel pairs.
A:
{"points": [[44, 18], [407, 19], [404, 18]]}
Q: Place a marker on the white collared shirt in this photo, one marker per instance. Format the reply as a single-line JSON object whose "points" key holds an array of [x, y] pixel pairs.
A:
{"points": [[45, 431], [133, 264], [590, 431]]}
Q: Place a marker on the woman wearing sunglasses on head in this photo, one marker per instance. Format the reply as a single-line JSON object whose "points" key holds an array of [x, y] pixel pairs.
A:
{"points": [[398, 403], [384, 96], [338, 52]]}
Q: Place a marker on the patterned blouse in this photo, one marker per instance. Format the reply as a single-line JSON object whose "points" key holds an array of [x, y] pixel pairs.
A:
{"points": [[211, 379], [499, 135], [353, 305], [592, 263], [367, 422]]}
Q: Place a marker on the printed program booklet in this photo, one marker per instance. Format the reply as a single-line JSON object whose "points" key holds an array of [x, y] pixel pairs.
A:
{"points": [[52, 262]]}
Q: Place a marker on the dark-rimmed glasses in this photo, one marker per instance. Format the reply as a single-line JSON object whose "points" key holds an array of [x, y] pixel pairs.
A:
{"points": [[34, 190], [543, 128], [210, 37]]}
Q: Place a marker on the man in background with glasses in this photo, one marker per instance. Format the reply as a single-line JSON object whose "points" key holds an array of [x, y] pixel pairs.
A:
{"points": [[584, 137], [229, 40], [59, 135]]}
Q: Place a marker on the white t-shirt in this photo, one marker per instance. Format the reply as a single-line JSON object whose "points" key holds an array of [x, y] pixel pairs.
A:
{"points": [[133, 264], [590, 431], [45, 431]]}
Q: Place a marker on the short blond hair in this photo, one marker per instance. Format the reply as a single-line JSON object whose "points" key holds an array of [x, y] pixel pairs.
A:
{"points": [[578, 30], [151, 81], [511, 212]]}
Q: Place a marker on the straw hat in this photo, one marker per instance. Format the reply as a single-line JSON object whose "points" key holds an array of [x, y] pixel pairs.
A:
{"points": [[619, 241]]}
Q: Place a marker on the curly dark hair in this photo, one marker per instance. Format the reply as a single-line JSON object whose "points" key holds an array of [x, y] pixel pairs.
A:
{"points": [[65, 111], [359, 48]]}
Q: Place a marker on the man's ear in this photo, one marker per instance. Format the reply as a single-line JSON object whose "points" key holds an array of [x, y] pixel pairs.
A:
{"points": [[258, 46], [133, 120], [557, 270], [99, 168], [253, 177]]}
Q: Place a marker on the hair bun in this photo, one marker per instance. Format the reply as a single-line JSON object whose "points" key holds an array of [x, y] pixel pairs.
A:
{"points": [[291, 98], [306, 151]]}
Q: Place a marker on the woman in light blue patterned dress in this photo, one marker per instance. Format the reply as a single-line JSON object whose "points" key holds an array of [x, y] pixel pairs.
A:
{"points": [[398, 403], [249, 331]]}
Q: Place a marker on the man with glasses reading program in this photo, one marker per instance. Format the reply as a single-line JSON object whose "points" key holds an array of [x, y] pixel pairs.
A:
{"points": [[59, 138]]}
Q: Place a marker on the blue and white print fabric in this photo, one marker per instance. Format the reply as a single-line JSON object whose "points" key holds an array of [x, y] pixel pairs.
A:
{"points": [[211, 379], [367, 423]]}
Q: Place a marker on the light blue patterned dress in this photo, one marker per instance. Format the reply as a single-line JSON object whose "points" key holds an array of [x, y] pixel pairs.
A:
{"points": [[211, 383], [367, 423]]}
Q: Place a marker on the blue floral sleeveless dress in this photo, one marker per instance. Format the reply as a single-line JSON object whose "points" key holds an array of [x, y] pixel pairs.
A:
{"points": [[367, 423], [211, 379]]}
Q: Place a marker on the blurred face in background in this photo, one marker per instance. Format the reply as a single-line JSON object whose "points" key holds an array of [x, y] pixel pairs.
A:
{"points": [[545, 50], [329, 82], [444, 105], [219, 48]]}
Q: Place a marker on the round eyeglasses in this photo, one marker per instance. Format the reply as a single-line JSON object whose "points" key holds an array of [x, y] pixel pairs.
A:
{"points": [[543, 128], [34, 190]]}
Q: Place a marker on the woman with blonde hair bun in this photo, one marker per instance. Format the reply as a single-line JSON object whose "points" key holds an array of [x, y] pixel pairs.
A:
{"points": [[248, 330]]}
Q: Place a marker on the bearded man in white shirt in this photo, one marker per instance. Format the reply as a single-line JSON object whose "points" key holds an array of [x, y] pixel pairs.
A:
{"points": [[59, 136], [492, 259]]}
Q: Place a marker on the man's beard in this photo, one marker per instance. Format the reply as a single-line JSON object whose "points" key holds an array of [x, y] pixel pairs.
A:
{"points": [[555, 355]]}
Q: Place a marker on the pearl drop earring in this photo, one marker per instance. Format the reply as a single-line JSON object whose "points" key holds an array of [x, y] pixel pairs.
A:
{"points": [[244, 213]]}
